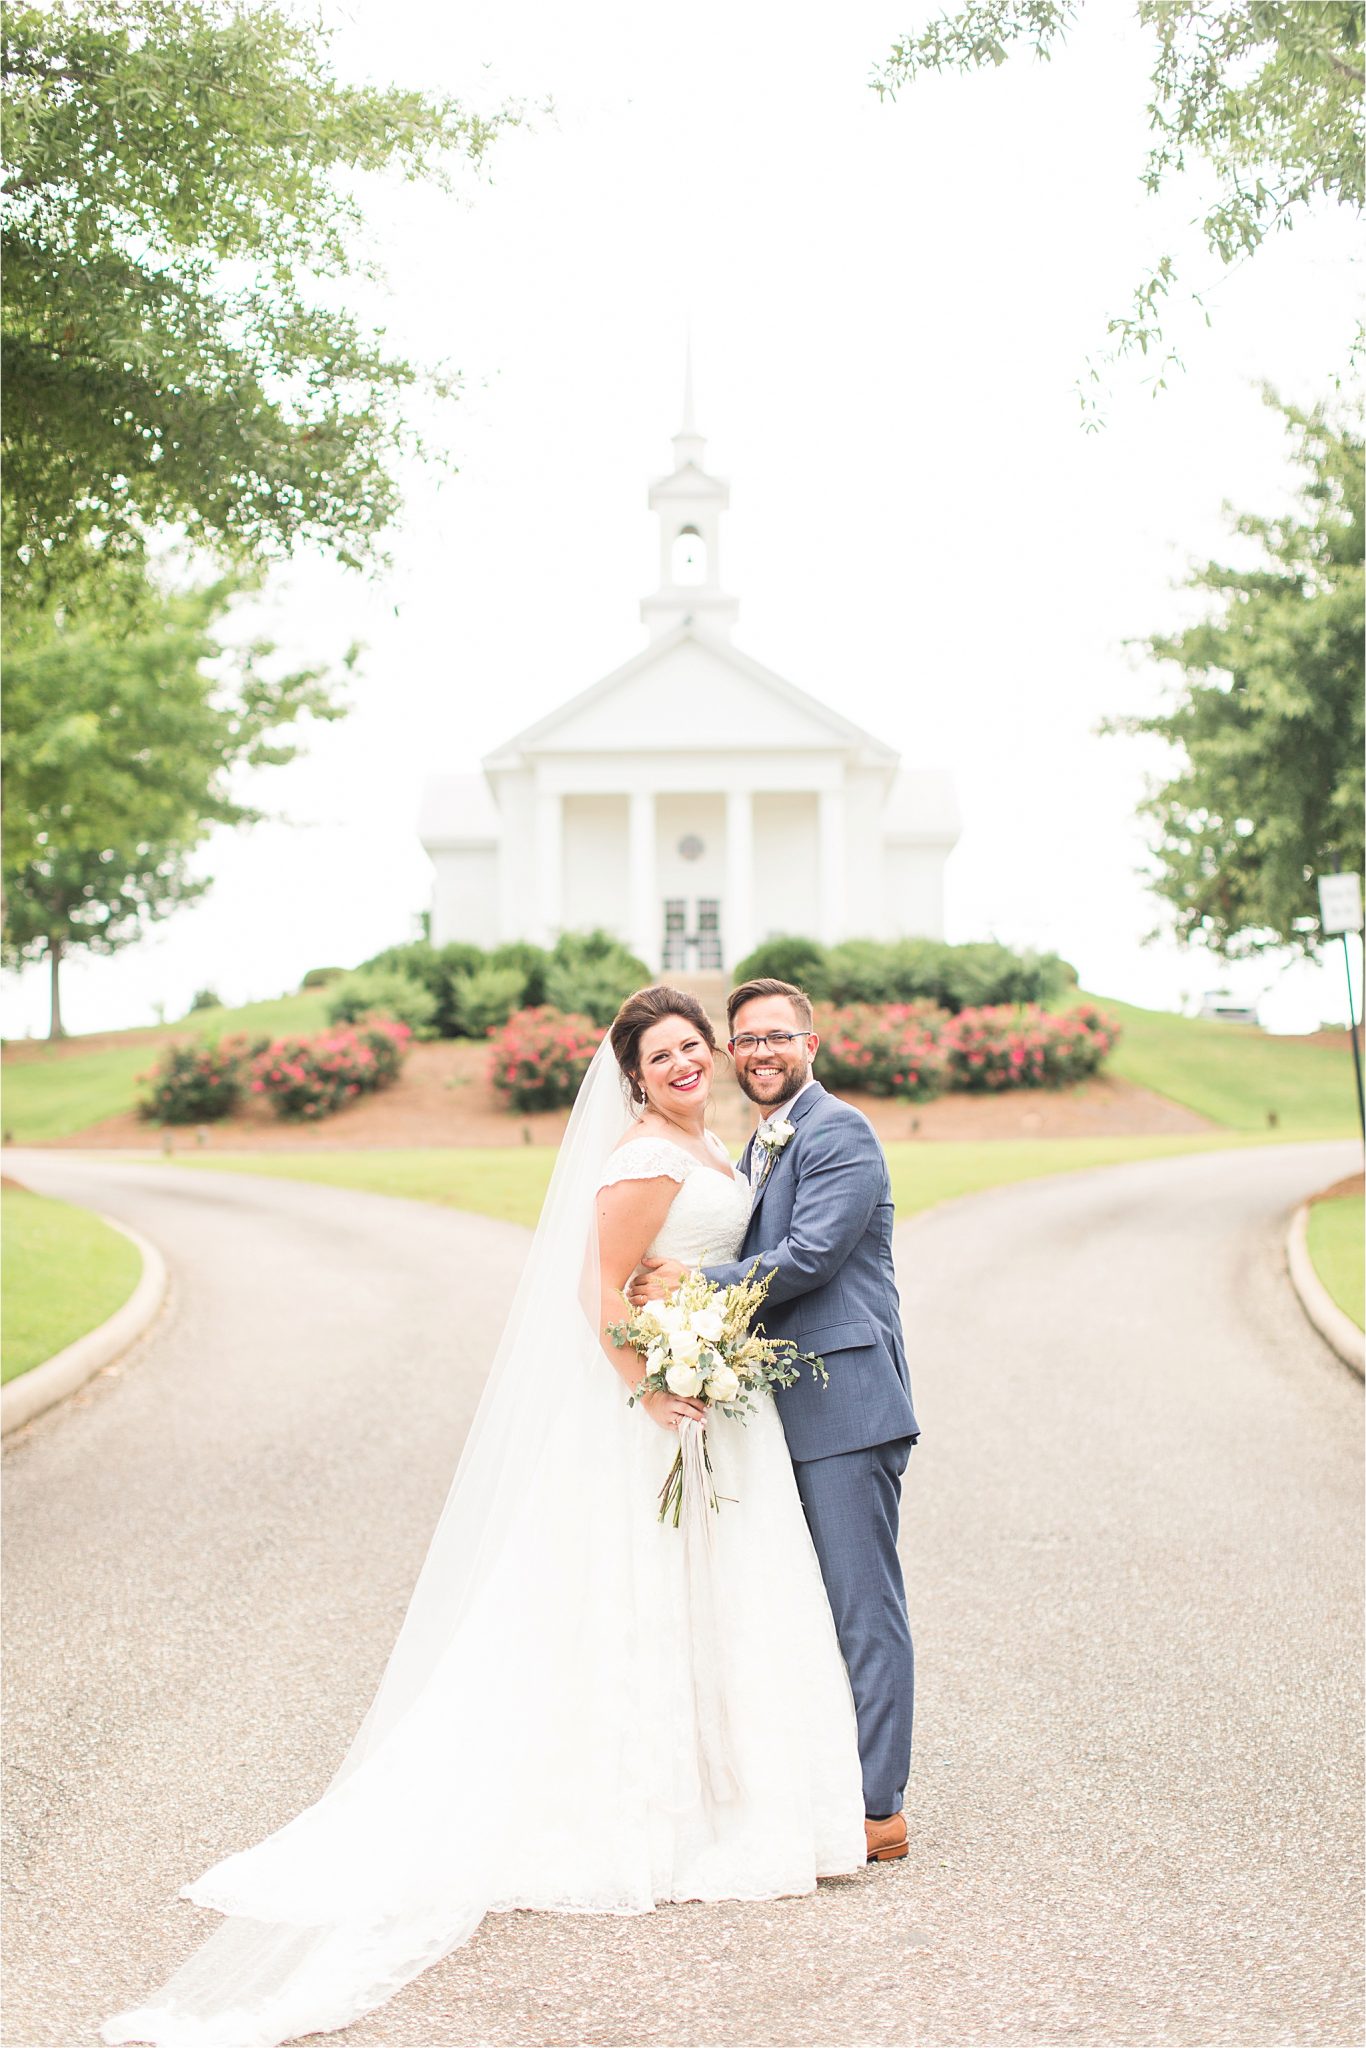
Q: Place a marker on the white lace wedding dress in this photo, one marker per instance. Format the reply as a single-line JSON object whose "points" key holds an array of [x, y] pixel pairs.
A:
{"points": [[553, 1739]]}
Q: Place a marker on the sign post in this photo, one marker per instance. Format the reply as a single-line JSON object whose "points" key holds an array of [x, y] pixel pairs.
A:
{"points": [[1340, 913]]}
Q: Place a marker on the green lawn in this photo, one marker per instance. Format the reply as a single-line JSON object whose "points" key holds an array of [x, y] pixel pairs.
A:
{"points": [[51, 1093], [510, 1181], [1336, 1248], [65, 1272], [1234, 1074]]}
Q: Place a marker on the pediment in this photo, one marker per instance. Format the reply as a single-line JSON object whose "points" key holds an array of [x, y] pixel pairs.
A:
{"points": [[692, 692]]}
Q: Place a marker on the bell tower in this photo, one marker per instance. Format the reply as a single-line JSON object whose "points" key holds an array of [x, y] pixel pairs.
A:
{"points": [[689, 503]]}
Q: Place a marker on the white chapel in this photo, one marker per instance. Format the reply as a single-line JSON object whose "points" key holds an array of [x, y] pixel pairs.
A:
{"points": [[779, 815]]}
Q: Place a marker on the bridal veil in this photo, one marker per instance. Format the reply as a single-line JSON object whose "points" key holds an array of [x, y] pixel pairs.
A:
{"points": [[528, 1576]]}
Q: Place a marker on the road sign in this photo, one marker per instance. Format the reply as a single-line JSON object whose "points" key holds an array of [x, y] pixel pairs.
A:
{"points": [[1339, 904]]}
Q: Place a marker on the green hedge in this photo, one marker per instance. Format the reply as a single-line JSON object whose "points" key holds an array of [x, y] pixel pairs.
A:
{"points": [[473, 992], [910, 970]]}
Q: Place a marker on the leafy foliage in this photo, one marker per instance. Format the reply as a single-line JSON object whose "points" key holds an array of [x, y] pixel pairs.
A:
{"points": [[304, 1079], [593, 972], [183, 182], [540, 1056], [387, 992], [196, 1082], [117, 759], [1267, 93], [785, 957], [910, 971], [1268, 719]]}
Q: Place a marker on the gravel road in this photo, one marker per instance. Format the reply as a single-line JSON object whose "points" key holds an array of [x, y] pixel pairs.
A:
{"points": [[1133, 1543]]}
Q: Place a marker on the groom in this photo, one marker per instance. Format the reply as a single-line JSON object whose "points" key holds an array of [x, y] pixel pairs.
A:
{"points": [[822, 1225]]}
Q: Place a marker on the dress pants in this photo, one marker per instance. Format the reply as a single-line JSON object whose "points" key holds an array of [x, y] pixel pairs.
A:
{"points": [[852, 1504]]}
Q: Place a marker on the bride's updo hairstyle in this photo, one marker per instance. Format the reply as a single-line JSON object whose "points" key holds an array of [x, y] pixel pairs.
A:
{"points": [[646, 1007]]}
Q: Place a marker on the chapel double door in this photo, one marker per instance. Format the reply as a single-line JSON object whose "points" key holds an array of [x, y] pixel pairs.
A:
{"points": [[692, 934]]}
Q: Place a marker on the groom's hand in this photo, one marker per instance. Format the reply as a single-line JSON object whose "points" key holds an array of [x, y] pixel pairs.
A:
{"points": [[652, 1280]]}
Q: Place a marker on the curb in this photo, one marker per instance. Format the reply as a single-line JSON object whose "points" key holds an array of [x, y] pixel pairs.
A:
{"points": [[1335, 1327], [42, 1386]]}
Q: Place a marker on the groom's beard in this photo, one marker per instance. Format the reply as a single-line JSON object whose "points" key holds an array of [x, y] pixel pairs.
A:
{"points": [[772, 1092]]}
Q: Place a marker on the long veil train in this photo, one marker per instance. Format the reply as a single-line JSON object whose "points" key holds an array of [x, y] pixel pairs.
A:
{"points": [[410, 1843]]}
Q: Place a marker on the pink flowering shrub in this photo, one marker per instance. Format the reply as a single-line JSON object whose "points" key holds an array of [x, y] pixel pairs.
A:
{"points": [[195, 1081], [1003, 1045], [882, 1048], [913, 1050], [539, 1057], [307, 1078]]}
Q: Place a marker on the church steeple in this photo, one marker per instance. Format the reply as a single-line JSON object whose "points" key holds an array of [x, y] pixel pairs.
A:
{"points": [[689, 503]]}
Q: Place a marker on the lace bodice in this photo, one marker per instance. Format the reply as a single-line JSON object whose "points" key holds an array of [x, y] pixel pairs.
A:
{"points": [[709, 1215]]}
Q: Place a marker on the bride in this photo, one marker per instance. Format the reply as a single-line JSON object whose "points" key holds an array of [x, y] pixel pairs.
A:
{"points": [[583, 1712]]}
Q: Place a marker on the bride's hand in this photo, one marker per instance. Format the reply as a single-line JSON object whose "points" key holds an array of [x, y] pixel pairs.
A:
{"points": [[668, 1410]]}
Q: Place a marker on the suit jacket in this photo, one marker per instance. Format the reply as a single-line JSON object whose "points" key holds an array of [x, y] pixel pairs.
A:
{"points": [[822, 1224]]}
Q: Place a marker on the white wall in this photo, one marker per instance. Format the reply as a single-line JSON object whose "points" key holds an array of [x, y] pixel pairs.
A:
{"points": [[786, 864], [465, 896], [596, 885], [914, 891]]}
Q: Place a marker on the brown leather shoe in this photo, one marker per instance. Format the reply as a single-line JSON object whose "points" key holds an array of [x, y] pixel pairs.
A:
{"points": [[886, 1838]]}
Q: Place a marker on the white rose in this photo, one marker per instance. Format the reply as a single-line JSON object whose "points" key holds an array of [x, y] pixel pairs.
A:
{"points": [[722, 1385], [708, 1324], [684, 1345], [684, 1380], [668, 1315], [655, 1357]]}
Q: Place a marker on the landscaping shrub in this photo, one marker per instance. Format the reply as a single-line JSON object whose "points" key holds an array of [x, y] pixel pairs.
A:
{"points": [[196, 1081], [1001, 1046], [540, 1056], [888, 1049], [386, 991], [319, 977], [488, 997], [204, 999], [438, 968], [786, 958], [594, 973], [532, 962], [307, 1078]]}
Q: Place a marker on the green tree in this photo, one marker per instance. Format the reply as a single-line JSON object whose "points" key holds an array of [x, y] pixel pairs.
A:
{"points": [[1268, 719], [183, 183], [117, 756], [1266, 94]]}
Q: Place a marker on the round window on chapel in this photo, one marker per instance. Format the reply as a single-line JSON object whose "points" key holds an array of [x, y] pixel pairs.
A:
{"points": [[691, 847]]}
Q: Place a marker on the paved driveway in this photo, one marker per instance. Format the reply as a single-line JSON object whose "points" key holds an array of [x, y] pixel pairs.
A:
{"points": [[1133, 1543]]}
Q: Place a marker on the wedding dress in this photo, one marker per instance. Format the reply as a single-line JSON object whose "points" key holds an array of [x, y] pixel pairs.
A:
{"points": [[582, 1713]]}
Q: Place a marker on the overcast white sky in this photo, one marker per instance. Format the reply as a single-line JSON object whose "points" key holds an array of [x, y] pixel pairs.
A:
{"points": [[890, 305]]}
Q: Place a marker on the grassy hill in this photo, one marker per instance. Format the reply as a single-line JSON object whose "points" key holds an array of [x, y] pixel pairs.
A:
{"points": [[1237, 1076], [1234, 1074], [52, 1090]]}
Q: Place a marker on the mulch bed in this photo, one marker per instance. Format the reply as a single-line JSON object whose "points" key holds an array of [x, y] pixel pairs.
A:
{"points": [[444, 1098]]}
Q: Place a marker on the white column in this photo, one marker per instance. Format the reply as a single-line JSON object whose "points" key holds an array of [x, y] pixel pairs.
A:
{"points": [[549, 873], [646, 914], [737, 912], [831, 843]]}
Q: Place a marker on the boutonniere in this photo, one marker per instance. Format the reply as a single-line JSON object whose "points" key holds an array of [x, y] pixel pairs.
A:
{"points": [[772, 1140]]}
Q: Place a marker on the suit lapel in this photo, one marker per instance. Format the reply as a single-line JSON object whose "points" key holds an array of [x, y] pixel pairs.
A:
{"points": [[803, 1108]]}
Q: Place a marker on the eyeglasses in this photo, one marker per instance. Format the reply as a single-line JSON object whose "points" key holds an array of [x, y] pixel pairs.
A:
{"points": [[749, 1041]]}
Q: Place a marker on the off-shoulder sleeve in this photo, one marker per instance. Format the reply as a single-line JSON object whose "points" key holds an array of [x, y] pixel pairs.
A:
{"points": [[645, 1159]]}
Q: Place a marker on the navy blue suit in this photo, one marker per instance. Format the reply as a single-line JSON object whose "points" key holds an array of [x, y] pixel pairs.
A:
{"points": [[822, 1223]]}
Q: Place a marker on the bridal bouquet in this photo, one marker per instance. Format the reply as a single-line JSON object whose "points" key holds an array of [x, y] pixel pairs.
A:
{"points": [[698, 1343]]}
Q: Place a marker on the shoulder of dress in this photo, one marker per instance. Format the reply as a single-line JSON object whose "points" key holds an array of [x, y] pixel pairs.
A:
{"points": [[645, 1159]]}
